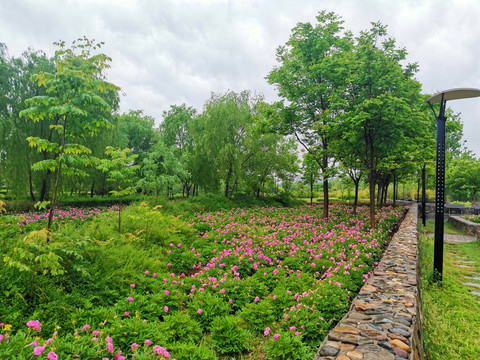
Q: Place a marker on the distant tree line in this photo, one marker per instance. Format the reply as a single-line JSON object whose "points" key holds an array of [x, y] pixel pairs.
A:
{"points": [[351, 104]]}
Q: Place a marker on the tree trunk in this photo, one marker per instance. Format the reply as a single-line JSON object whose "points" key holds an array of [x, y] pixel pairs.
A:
{"points": [[394, 188], [379, 190], [30, 184], [355, 202], [325, 198], [371, 185], [44, 188], [227, 180], [311, 189], [92, 189]]}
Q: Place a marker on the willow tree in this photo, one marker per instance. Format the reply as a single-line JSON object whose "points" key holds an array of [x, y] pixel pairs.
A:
{"points": [[75, 101], [311, 77]]}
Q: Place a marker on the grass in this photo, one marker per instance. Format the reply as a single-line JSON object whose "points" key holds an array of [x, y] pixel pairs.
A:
{"points": [[429, 228], [451, 313]]}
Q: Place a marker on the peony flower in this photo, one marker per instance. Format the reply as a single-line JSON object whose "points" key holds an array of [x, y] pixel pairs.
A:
{"points": [[267, 331], [167, 292], [33, 343], [134, 346], [85, 327], [127, 313], [148, 342], [165, 308], [38, 350], [130, 298], [276, 336], [199, 311], [35, 324], [132, 286], [52, 356]]}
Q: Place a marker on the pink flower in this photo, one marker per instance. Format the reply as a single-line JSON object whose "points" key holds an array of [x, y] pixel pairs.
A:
{"points": [[297, 333], [38, 350], [132, 286], [134, 346], [267, 331], [1, 337], [148, 342], [154, 275], [275, 272], [222, 291], [35, 324], [85, 327], [33, 343], [276, 336], [165, 308], [199, 311], [130, 298], [291, 328], [52, 356], [48, 342], [167, 292], [95, 332], [146, 272], [127, 313], [256, 299]]}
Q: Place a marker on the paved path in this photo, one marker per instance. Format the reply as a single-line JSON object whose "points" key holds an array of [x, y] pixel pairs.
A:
{"points": [[464, 262], [455, 239]]}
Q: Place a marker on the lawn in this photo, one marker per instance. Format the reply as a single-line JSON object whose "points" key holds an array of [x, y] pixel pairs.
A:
{"points": [[246, 283], [451, 313], [429, 228]]}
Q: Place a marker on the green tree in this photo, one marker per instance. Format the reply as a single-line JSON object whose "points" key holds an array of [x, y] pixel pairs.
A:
{"points": [[16, 157], [176, 132], [73, 101], [121, 173], [311, 173], [463, 174], [383, 109], [161, 169], [311, 77], [223, 139]]}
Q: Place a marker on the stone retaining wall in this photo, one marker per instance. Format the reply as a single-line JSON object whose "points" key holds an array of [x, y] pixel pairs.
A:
{"points": [[467, 226], [385, 319]]}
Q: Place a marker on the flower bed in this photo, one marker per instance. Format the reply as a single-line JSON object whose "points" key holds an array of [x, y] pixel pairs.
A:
{"points": [[263, 283], [27, 221]]}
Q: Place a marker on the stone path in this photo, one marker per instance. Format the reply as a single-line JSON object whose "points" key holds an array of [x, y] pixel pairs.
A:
{"points": [[383, 321], [455, 239], [472, 280]]}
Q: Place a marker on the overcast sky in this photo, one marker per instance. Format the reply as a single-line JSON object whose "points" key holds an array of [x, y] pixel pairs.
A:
{"points": [[167, 52]]}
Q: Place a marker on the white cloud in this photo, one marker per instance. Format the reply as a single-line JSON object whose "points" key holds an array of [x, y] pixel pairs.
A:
{"points": [[168, 52]]}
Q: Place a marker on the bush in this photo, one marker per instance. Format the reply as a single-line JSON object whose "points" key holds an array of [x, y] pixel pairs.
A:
{"points": [[228, 336], [191, 351], [287, 346]]}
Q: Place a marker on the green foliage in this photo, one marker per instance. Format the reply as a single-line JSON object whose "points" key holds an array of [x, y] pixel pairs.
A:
{"points": [[191, 351], [76, 103], [121, 173], [287, 347], [228, 336], [257, 316], [181, 327]]}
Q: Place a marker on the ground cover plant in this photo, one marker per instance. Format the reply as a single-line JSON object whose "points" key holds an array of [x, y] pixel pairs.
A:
{"points": [[249, 283], [451, 313]]}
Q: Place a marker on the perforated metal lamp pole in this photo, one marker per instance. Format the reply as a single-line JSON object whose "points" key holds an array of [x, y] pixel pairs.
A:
{"points": [[442, 97]]}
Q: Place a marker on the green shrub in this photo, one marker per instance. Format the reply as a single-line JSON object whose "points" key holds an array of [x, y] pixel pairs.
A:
{"points": [[257, 316], [181, 327], [191, 351], [228, 336], [287, 347]]}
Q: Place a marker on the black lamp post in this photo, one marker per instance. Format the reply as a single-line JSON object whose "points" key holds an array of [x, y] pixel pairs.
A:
{"points": [[442, 97]]}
